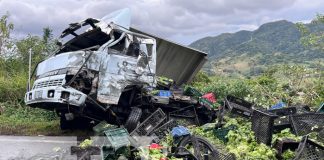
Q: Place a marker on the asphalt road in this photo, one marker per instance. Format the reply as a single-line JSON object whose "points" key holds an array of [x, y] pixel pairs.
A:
{"points": [[36, 148]]}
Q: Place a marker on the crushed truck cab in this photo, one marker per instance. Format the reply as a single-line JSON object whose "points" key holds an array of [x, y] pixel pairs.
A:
{"points": [[106, 70], [103, 60]]}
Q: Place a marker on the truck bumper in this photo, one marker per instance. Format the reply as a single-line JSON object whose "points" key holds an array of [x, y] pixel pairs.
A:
{"points": [[55, 95]]}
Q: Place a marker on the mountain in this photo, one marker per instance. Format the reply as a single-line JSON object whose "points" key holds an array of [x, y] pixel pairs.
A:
{"points": [[272, 43]]}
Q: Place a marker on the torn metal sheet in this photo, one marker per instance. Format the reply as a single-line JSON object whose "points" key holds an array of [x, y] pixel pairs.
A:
{"points": [[175, 61]]}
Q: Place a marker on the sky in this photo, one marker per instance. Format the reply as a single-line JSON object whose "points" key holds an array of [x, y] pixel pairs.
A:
{"points": [[182, 21]]}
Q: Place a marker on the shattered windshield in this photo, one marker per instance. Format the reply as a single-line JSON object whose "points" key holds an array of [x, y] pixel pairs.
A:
{"points": [[88, 39], [82, 36]]}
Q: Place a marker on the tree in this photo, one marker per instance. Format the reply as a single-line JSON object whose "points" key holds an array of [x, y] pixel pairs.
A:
{"points": [[5, 30], [315, 40], [40, 46]]}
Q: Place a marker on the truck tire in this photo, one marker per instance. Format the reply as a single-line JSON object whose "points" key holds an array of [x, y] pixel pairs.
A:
{"points": [[65, 124], [133, 119]]}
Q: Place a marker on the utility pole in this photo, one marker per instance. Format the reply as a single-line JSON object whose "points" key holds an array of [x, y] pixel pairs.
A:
{"points": [[29, 68]]}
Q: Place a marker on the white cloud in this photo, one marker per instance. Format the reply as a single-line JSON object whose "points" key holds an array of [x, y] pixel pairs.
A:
{"points": [[180, 20]]}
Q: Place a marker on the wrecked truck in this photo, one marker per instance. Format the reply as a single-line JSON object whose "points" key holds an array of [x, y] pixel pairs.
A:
{"points": [[107, 70]]}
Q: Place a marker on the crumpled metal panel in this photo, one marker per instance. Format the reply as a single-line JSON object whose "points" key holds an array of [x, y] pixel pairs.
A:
{"points": [[68, 60], [175, 61], [115, 73]]}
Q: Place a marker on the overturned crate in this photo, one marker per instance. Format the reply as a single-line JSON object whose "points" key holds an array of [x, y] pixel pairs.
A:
{"points": [[283, 122], [306, 123], [263, 126], [221, 133], [309, 150], [283, 145], [190, 91], [185, 116], [117, 137], [162, 131], [149, 124], [238, 106]]}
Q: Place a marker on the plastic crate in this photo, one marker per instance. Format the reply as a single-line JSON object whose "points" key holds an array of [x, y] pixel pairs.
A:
{"points": [[282, 122], [149, 124], [102, 126], [282, 145], [162, 131], [206, 103], [117, 137], [284, 111], [189, 91], [262, 125], [164, 93], [309, 150], [226, 156], [278, 105], [302, 108], [185, 116], [221, 133], [238, 106], [160, 99], [303, 124]]}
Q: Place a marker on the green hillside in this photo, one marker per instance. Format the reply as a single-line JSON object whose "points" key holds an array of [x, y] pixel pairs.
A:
{"points": [[249, 52]]}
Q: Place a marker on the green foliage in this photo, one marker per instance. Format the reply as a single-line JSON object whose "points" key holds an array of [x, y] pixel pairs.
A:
{"points": [[13, 87], [23, 113], [14, 72], [5, 30], [310, 38], [292, 84], [241, 141], [288, 154], [201, 77], [86, 143], [286, 133]]}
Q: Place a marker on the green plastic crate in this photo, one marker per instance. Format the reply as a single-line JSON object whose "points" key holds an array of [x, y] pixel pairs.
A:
{"points": [[205, 102], [117, 137], [190, 91], [221, 133], [102, 126]]}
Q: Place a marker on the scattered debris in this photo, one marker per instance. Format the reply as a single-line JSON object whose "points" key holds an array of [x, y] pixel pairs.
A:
{"points": [[86, 143]]}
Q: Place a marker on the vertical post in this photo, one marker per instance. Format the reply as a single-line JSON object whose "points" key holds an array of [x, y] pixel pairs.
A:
{"points": [[29, 69]]}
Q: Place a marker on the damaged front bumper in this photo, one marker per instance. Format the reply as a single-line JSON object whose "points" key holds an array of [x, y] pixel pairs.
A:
{"points": [[56, 94], [47, 90]]}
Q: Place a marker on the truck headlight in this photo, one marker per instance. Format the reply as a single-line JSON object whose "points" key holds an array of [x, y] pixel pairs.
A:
{"points": [[30, 96], [77, 96]]}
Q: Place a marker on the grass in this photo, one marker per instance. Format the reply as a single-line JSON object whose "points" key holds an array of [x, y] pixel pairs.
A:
{"points": [[10, 126], [17, 119]]}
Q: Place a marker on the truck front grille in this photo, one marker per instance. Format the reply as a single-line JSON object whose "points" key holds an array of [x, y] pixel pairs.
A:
{"points": [[49, 83]]}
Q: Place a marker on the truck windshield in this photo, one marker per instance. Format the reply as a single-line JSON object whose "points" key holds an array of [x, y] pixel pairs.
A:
{"points": [[85, 40]]}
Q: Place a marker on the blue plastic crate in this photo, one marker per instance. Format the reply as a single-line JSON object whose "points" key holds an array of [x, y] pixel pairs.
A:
{"points": [[180, 131], [164, 93]]}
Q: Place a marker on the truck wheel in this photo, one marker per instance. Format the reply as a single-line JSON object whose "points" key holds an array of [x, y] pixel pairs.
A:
{"points": [[65, 124], [133, 119]]}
